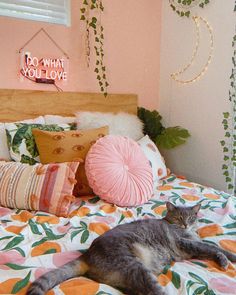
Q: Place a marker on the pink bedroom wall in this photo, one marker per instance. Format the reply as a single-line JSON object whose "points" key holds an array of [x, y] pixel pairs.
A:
{"points": [[132, 49]]}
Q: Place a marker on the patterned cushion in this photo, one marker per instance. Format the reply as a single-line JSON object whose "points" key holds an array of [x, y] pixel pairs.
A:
{"points": [[39, 187], [68, 146], [21, 142], [4, 151], [156, 160], [119, 172]]}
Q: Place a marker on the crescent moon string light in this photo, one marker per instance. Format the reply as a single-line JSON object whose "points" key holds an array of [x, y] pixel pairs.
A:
{"points": [[176, 75]]}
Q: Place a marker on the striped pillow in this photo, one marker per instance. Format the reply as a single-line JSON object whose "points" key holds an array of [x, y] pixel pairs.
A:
{"points": [[47, 188]]}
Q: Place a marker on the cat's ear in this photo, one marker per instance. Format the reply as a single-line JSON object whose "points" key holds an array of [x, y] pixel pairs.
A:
{"points": [[170, 206], [196, 208]]}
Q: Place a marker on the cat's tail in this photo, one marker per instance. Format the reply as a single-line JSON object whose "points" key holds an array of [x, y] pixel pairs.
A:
{"points": [[52, 278]]}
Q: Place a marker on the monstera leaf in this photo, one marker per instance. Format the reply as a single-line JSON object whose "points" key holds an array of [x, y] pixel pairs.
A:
{"points": [[27, 160], [152, 122], [166, 138], [172, 137]]}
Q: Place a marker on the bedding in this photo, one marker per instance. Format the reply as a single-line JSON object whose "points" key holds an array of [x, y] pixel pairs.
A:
{"points": [[32, 243]]}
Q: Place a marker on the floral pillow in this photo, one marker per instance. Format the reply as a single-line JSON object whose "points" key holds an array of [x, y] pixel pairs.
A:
{"points": [[21, 143]]}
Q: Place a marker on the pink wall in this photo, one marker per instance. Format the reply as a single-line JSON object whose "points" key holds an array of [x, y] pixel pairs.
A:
{"points": [[132, 49]]}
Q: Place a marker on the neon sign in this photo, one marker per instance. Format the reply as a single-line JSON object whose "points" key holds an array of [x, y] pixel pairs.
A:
{"points": [[44, 70]]}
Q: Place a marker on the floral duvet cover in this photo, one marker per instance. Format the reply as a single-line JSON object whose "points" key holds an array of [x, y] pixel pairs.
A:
{"points": [[34, 243]]}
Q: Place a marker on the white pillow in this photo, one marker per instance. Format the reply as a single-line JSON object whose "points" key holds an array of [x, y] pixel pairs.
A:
{"points": [[123, 124], [55, 119], [4, 151], [156, 160]]}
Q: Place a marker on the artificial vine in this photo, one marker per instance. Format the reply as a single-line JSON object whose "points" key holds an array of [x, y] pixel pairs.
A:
{"points": [[182, 7], [91, 12], [229, 123]]}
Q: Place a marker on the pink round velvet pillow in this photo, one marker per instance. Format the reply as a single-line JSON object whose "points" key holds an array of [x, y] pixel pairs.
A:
{"points": [[119, 172]]}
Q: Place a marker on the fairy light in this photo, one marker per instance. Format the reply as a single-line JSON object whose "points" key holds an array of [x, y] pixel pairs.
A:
{"points": [[175, 75]]}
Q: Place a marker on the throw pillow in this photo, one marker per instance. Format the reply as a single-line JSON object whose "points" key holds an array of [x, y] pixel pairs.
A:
{"points": [[56, 119], [21, 142], [4, 151], [123, 124], [68, 146], [47, 188], [119, 172], [156, 160]]}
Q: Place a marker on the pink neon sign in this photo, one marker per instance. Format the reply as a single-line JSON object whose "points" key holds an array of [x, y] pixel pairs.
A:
{"points": [[44, 69]]}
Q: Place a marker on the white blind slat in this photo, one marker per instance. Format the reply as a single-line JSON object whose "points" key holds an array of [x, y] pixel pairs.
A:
{"points": [[43, 10]]}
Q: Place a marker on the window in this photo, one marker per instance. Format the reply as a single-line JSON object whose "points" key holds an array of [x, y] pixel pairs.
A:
{"points": [[52, 11]]}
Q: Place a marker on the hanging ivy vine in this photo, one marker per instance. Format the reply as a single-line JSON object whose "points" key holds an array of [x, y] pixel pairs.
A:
{"points": [[91, 11], [229, 123], [182, 7]]}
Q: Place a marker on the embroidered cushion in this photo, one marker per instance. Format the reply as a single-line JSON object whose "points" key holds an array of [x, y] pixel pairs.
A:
{"points": [[68, 146], [119, 172], [47, 188]]}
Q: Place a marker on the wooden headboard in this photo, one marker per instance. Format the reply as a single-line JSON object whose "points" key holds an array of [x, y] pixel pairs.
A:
{"points": [[25, 104]]}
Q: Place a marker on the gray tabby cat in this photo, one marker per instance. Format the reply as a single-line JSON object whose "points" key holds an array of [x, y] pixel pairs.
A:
{"points": [[130, 255]]}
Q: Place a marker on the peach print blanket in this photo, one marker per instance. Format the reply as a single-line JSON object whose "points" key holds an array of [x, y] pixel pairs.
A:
{"points": [[34, 243]]}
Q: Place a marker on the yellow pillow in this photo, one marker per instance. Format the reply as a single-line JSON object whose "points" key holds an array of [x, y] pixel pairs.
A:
{"points": [[68, 146]]}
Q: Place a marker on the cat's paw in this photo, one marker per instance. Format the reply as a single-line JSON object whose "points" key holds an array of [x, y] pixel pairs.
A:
{"points": [[222, 260]]}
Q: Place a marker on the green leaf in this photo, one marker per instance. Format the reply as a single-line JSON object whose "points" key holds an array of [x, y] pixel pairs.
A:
{"points": [[230, 225], [28, 160], [6, 238], [17, 240], [17, 266], [21, 284], [84, 236], [34, 227], [31, 146], [204, 220], [152, 122], [197, 278], [43, 240], [199, 290], [94, 200], [176, 279], [83, 224], [50, 251], [189, 285], [121, 218], [226, 115], [75, 233], [172, 137]]}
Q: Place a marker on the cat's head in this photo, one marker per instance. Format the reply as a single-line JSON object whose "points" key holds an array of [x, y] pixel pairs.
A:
{"points": [[184, 217]]}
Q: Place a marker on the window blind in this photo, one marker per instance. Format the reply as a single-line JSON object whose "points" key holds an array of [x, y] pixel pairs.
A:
{"points": [[52, 11]]}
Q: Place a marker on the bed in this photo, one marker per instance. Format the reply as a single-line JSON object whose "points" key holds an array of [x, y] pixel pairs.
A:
{"points": [[32, 243]]}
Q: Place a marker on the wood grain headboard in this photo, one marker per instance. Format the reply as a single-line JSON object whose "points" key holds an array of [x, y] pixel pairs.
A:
{"points": [[24, 104]]}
